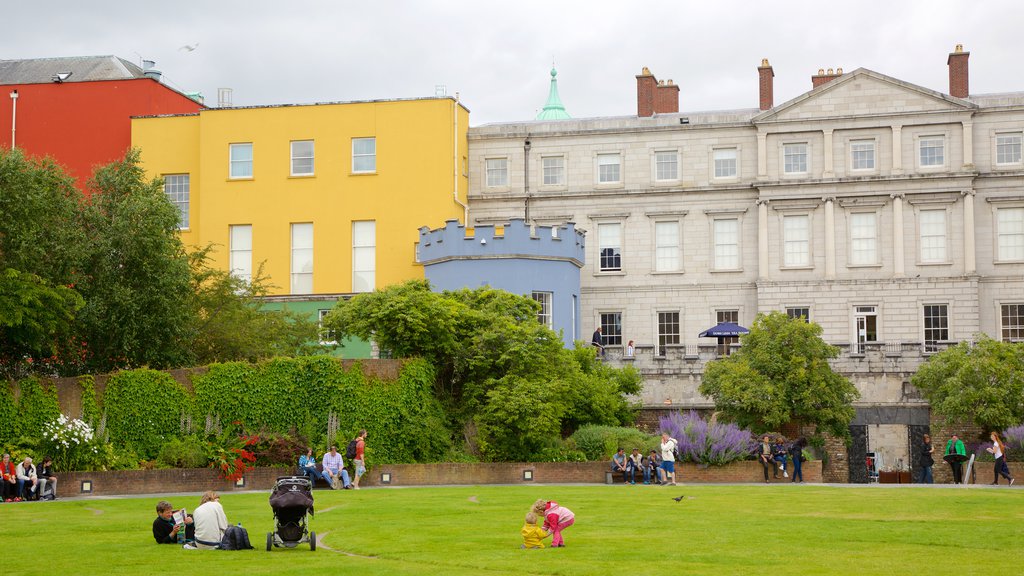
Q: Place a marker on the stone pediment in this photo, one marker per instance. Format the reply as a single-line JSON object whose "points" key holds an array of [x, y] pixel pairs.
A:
{"points": [[863, 93]]}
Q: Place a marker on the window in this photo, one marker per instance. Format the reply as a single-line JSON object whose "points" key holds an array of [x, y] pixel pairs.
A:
{"points": [[727, 244], [936, 326], [554, 170], [932, 150], [727, 316], [241, 160], [608, 168], [302, 158], [933, 235], [863, 241], [666, 165], [865, 320], [240, 248], [364, 155], [794, 158], [725, 162], [1012, 324], [799, 312], [1010, 235], [611, 328], [725, 342], [609, 239], [364, 256], [497, 172], [796, 240], [176, 190], [302, 259], [668, 330], [327, 337], [862, 155], [1008, 148], [666, 250], [544, 316]]}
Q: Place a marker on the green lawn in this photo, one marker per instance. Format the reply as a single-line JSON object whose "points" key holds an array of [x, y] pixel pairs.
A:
{"points": [[779, 529]]}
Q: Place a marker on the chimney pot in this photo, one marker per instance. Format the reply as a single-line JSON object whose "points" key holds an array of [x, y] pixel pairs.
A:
{"points": [[839, 71], [821, 71], [830, 72], [764, 63]]}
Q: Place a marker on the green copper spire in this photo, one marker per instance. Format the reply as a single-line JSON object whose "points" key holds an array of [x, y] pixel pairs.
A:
{"points": [[553, 109]]}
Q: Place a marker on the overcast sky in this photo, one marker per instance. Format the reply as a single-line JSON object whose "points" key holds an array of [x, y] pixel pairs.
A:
{"points": [[497, 55]]}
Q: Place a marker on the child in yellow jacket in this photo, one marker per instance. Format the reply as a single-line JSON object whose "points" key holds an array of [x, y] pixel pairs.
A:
{"points": [[533, 535]]}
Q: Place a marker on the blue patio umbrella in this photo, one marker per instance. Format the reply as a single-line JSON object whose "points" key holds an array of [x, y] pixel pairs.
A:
{"points": [[723, 329]]}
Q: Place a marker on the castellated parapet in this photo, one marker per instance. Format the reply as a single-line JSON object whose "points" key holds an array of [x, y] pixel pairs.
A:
{"points": [[517, 241]]}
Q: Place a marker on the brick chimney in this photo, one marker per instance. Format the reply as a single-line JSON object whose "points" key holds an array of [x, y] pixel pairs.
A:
{"points": [[957, 62], [823, 77], [766, 84], [654, 97]]}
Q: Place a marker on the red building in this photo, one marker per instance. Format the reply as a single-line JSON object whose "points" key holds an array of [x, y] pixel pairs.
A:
{"points": [[78, 110]]}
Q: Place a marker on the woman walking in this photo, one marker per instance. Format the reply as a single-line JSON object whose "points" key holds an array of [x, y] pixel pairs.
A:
{"points": [[998, 451]]}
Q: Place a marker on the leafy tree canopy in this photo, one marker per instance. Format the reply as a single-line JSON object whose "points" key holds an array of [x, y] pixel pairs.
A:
{"points": [[982, 383], [779, 375]]}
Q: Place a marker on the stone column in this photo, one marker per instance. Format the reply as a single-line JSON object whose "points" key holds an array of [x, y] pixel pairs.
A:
{"points": [[968, 145], [762, 154], [969, 256], [899, 270], [762, 239], [897, 149], [827, 152], [830, 237]]}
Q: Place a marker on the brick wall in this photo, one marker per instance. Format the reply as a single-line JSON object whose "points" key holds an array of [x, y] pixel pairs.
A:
{"points": [[837, 468], [202, 479]]}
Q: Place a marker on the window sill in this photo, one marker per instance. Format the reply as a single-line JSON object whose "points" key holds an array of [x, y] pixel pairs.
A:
{"points": [[726, 271], [667, 272], [863, 265], [934, 263], [241, 179], [608, 185], [1008, 262], [725, 179], [553, 188], [300, 176], [487, 189], [609, 273], [374, 173], [784, 268]]}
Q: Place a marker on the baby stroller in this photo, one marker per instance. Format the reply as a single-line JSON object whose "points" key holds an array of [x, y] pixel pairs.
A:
{"points": [[291, 499]]}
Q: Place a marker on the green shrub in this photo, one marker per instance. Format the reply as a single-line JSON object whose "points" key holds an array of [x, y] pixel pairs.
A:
{"points": [[144, 408], [183, 452], [600, 442]]}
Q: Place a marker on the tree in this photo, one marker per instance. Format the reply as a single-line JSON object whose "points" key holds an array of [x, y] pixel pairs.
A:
{"points": [[35, 318], [981, 382], [779, 375]]}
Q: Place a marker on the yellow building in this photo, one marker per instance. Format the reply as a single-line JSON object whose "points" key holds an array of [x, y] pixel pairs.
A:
{"points": [[328, 198]]}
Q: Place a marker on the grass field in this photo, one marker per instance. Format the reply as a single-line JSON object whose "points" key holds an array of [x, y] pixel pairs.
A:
{"points": [[620, 529]]}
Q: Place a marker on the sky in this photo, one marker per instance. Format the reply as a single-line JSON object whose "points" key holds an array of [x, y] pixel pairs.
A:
{"points": [[497, 55]]}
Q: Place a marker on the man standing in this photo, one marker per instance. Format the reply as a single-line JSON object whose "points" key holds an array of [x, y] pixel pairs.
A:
{"points": [[334, 469], [359, 460], [597, 340]]}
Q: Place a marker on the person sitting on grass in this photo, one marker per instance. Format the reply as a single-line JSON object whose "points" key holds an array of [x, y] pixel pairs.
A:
{"points": [[533, 535], [619, 464], [210, 522], [651, 467], [165, 530]]}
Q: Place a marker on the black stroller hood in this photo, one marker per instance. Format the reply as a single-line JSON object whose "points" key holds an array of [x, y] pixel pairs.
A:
{"points": [[291, 498]]}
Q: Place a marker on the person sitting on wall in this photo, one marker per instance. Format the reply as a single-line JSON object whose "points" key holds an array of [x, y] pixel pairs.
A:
{"points": [[619, 464], [307, 465], [779, 453], [9, 480], [652, 465], [634, 462], [26, 474], [334, 469], [165, 530], [47, 477]]}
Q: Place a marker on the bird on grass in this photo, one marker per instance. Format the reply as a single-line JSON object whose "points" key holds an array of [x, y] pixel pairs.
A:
{"points": [[680, 499]]}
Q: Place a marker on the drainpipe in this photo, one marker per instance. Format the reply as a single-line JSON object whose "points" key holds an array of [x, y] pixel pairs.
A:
{"points": [[14, 115], [456, 161], [526, 177]]}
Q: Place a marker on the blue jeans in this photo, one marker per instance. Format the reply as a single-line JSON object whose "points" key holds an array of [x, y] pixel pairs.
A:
{"points": [[797, 470], [647, 474], [344, 476], [926, 475], [313, 474]]}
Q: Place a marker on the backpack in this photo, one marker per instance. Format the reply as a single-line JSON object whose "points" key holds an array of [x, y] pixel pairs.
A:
{"points": [[350, 450], [235, 538]]}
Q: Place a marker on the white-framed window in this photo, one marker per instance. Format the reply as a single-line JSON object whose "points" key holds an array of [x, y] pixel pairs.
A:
{"points": [[936, 326], [931, 151], [497, 172], [726, 233], [1010, 234], [176, 188], [327, 337], [545, 316], [364, 256], [666, 165], [609, 241], [668, 330], [611, 328], [865, 325], [554, 170], [862, 154], [240, 250], [1011, 322], [609, 168], [302, 258], [364, 155], [794, 158], [932, 224], [725, 161], [1008, 148], [240, 159], [796, 240], [667, 246], [302, 158], [863, 238], [799, 312]]}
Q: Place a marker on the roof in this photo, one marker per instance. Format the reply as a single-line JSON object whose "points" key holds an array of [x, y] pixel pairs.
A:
{"points": [[553, 108], [82, 69]]}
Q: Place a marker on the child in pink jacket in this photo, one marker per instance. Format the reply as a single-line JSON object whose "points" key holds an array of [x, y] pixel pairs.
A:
{"points": [[556, 519]]}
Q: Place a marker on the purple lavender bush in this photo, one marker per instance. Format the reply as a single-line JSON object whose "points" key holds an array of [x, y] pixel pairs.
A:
{"points": [[1014, 437], [708, 444]]}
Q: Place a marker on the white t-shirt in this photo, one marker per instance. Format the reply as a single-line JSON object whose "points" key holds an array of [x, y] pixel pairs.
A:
{"points": [[996, 452], [210, 523], [666, 449]]}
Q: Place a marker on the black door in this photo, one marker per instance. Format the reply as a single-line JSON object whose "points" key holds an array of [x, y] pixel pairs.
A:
{"points": [[915, 435], [858, 453]]}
